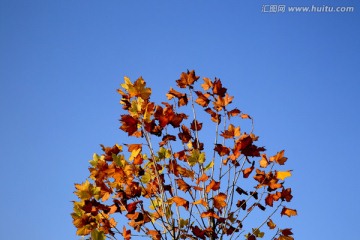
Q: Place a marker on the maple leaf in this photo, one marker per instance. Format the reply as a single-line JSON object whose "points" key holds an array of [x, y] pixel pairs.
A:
{"points": [[221, 150], [195, 125], [214, 116], [203, 99], [166, 139], [185, 134], [187, 79], [220, 201], [279, 158], [87, 190], [231, 132], [207, 84], [286, 195], [139, 89], [129, 124], [288, 212], [233, 113], [182, 98], [218, 89]]}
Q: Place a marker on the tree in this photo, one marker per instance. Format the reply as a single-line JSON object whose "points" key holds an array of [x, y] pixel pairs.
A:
{"points": [[164, 184]]}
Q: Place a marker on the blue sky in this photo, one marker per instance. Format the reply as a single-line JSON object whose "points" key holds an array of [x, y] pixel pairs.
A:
{"points": [[297, 74]]}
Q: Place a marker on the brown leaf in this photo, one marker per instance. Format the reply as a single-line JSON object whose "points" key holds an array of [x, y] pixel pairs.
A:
{"points": [[221, 150], [195, 125], [182, 185], [187, 79], [129, 124]]}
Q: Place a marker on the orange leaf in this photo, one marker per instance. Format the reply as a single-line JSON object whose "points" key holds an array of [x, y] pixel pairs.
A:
{"points": [[264, 161], [202, 202], [279, 158], [213, 185], [181, 202], [207, 84], [126, 233], [288, 212], [271, 224], [209, 213], [155, 235], [220, 200]]}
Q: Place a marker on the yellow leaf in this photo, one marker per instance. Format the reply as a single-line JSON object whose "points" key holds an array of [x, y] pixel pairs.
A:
{"points": [[283, 175]]}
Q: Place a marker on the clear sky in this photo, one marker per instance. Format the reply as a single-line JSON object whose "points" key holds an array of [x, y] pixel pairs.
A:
{"points": [[297, 74]]}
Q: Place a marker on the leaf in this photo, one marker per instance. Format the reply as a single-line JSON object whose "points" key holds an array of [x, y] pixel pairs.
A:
{"points": [[126, 233], [201, 201], [195, 125], [218, 88], [203, 178], [240, 191], [196, 157], [97, 235], [233, 113], [182, 98], [209, 166], [288, 212], [283, 175], [187, 79], [183, 222], [182, 185], [257, 233], [207, 84], [213, 185], [220, 201], [86, 191], [271, 224], [203, 99], [179, 201], [279, 158], [231, 132], [248, 171], [245, 116], [264, 161], [222, 150], [129, 124], [214, 116], [209, 213], [155, 235]]}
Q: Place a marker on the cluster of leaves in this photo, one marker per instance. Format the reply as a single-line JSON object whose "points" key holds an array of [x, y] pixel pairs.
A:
{"points": [[177, 188]]}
